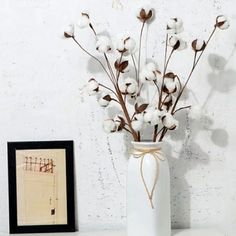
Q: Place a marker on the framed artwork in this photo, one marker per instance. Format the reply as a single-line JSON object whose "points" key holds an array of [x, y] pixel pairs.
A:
{"points": [[41, 187]]}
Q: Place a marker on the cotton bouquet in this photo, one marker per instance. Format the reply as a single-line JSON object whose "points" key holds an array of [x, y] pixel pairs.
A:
{"points": [[127, 90]]}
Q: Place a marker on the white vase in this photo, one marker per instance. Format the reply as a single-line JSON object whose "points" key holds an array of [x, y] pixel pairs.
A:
{"points": [[148, 217]]}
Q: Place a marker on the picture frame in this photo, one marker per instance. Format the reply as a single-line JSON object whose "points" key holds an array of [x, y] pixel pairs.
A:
{"points": [[41, 187]]}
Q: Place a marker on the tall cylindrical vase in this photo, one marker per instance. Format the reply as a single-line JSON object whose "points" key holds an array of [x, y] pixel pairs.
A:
{"points": [[148, 191]]}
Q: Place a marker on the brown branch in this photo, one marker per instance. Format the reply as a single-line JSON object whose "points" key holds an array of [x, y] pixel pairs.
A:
{"points": [[135, 67], [88, 53], [192, 70], [140, 49], [108, 89], [155, 133], [163, 76], [181, 108]]}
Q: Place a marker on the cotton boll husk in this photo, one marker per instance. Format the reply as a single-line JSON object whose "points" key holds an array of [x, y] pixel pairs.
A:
{"points": [[147, 8], [109, 126]]}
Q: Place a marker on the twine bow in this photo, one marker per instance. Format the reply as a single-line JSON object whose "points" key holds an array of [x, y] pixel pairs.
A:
{"points": [[156, 154]]}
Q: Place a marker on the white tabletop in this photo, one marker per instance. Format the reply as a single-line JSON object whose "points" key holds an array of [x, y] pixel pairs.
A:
{"points": [[186, 232]]}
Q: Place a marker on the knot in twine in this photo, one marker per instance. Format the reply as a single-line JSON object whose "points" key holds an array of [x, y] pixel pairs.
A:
{"points": [[157, 155]]}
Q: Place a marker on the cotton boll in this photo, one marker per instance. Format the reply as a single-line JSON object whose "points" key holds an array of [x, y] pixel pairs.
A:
{"points": [[137, 122], [84, 20], [174, 26], [173, 41], [104, 100], [149, 114], [169, 121], [103, 44], [138, 117], [126, 45], [92, 87], [137, 125], [149, 72], [198, 45], [177, 43], [170, 86], [129, 86], [156, 117], [222, 22], [69, 31], [109, 126]]}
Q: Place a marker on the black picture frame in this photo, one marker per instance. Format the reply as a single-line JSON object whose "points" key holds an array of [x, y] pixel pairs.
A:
{"points": [[13, 147]]}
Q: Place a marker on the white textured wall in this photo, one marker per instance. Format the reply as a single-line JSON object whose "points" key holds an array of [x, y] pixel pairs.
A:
{"points": [[41, 76]]}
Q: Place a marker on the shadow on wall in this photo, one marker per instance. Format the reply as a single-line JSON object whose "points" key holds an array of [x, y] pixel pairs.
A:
{"points": [[191, 155]]}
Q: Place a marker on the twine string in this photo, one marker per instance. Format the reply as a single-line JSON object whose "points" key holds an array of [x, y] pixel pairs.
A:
{"points": [[156, 154]]}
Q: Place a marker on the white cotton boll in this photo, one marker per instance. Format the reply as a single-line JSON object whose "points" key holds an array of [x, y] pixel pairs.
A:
{"points": [[137, 125], [84, 20], [151, 66], [132, 88], [169, 121], [138, 117], [149, 72], [222, 22], [178, 23], [103, 100], [69, 31], [225, 26], [126, 45], [129, 86], [170, 86], [156, 117], [103, 44], [130, 45], [92, 87], [120, 46], [177, 43], [171, 23], [199, 44], [175, 26], [173, 41], [147, 117], [109, 126]]}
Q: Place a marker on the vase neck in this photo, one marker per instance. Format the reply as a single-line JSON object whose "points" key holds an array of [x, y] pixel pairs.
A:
{"points": [[147, 145]]}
